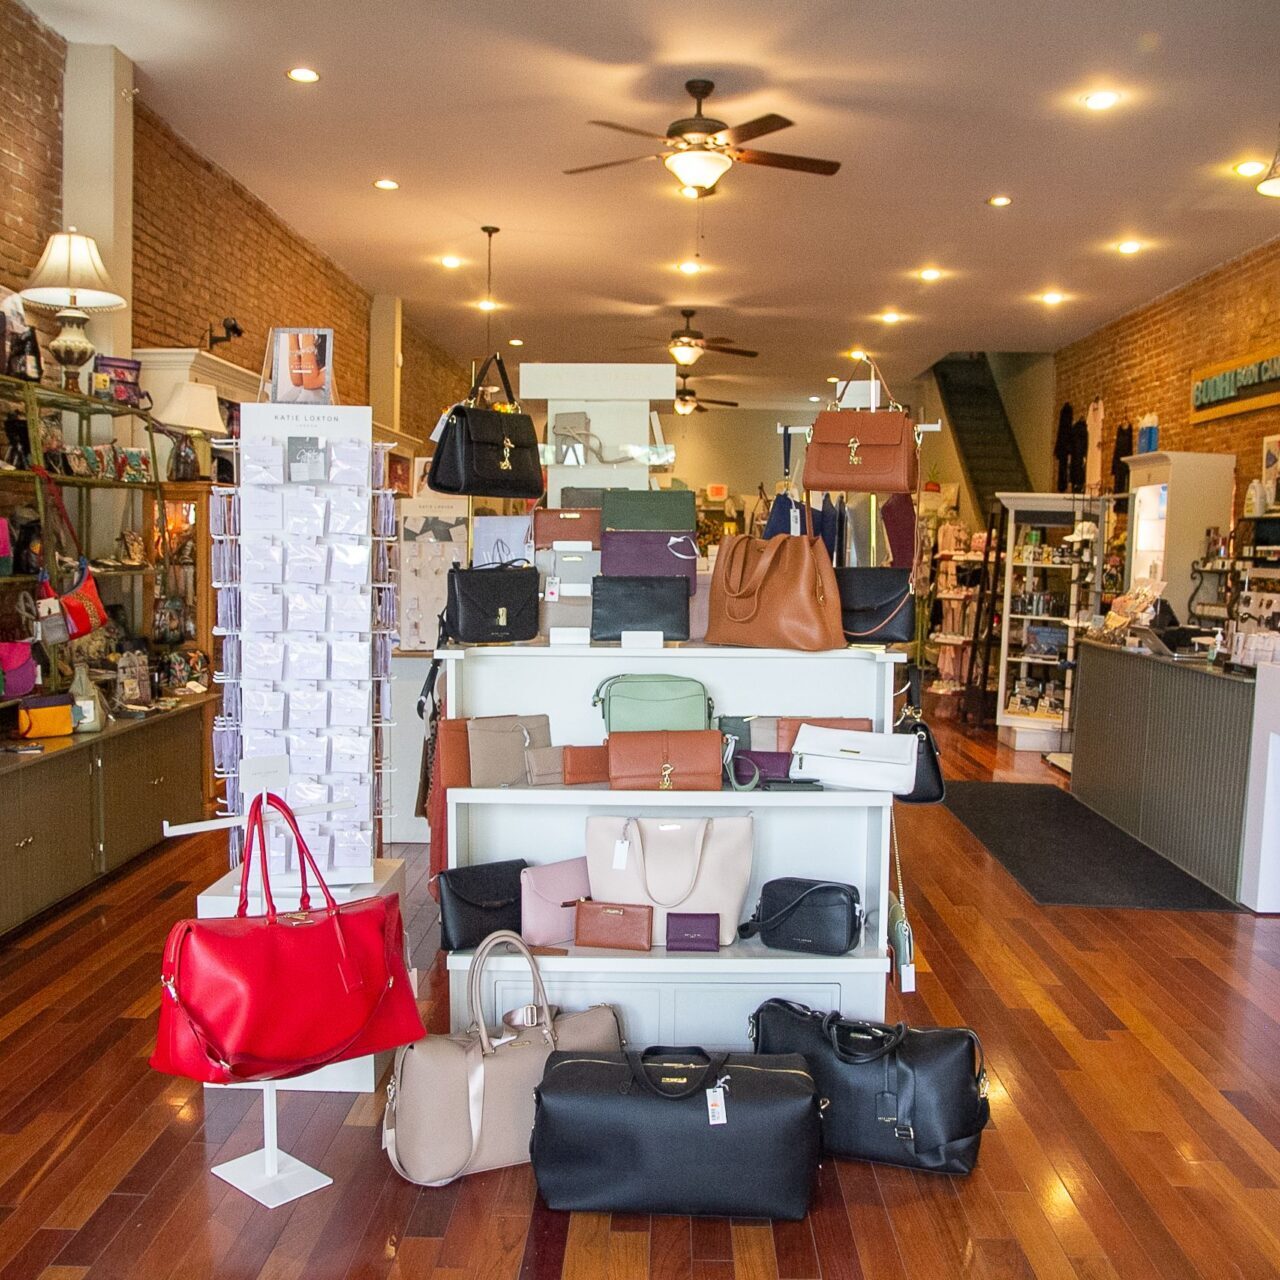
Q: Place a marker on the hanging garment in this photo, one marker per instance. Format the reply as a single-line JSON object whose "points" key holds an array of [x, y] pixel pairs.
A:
{"points": [[1123, 449], [1076, 460], [1093, 459], [1062, 447]]}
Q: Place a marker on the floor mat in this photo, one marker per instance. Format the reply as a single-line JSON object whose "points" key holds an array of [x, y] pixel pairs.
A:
{"points": [[1064, 854]]}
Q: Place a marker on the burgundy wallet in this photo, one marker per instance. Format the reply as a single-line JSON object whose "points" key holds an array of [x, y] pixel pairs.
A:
{"points": [[773, 766], [693, 931]]}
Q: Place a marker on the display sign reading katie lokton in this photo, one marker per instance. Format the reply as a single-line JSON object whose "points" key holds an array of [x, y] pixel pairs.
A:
{"points": [[1237, 386]]}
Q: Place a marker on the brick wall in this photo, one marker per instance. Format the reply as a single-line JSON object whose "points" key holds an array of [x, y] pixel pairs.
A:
{"points": [[1142, 362], [430, 381], [31, 63]]}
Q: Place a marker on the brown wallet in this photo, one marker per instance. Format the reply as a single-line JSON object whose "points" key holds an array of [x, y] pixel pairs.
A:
{"points": [[666, 760], [586, 764], [544, 766], [581, 524], [623, 926], [457, 756], [789, 726]]}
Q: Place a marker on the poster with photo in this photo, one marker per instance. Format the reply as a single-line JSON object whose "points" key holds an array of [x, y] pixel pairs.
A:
{"points": [[400, 473], [1271, 467], [302, 366]]}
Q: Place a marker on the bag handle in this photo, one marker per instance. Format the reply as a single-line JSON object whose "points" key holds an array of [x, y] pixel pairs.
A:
{"points": [[644, 869], [741, 591], [507, 938], [675, 540], [474, 394], [715, 1065], [886, 1038], [870, 631], [256, 826], [755, 925]]}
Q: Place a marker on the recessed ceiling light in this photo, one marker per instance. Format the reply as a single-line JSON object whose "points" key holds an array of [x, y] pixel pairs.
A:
{"points": [[451, 262], [1101, 99], [1129, 246], [386, 184], [487, 304], [890, 317], [931, 273], [999, 202], [857, 354], [689, 193], [1249, 168], [515, 342], [689, 267], [1052, 297], [815, 399], [833, 379], [302, 75]]}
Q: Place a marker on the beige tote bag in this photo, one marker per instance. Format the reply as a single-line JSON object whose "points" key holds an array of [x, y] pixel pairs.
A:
{"points": [[463, 1103], [673, 864]]}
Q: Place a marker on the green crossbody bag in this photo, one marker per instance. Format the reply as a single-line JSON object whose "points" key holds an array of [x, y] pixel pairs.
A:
{"points": [[637, 703]]}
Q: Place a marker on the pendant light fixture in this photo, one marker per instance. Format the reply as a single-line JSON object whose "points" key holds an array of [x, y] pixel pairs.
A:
{"points": [[1270, 183], [488, 306]]}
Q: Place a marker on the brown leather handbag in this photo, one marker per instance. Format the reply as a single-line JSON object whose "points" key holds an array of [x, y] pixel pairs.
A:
{"points": [[581, 524], [585, 764], [622, 925], [857, 451], [775, 593], [666, 760]]}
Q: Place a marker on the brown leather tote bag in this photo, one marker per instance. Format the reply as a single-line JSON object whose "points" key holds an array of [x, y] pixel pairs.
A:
{"points": [[857, 451], [775, 593]]}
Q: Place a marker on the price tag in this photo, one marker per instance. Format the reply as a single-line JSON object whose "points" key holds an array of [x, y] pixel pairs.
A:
{"points": [[553, 590], [620, 850], [715, 1106], [439, 430], [795, 519], [88, 710]]}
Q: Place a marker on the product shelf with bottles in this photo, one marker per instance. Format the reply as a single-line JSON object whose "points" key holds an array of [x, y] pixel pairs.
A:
{"points": [[844, 835]]}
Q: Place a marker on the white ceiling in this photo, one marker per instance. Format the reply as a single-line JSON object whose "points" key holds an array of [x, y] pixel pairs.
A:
{"points": [[476, 105]]}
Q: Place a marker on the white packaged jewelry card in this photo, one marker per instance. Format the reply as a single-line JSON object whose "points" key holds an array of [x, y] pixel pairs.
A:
{"points": [[303, 513], [261, 559], [308, 708], [349, 511], [262, 511], [262, 658], [349, 706], [261, 462], [350, 611], [307, 609], [263, 707], [349, 659], [307, 658], [307, 562], [308, 753], [349, 562], [352, 846], [349, 753], [263, 609], [349, 463], [302, 792]]}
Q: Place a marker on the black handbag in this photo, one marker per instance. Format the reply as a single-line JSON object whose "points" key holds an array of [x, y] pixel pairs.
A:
{"points": [[677, 1130], [485, 451], [492, 605], [639, 604], [929, 786], [578, 497], [821, 917], [477, 901], [900, 1095], [876, 605]]}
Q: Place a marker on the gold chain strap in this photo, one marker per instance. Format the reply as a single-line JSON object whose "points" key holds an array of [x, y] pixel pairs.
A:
{"points": [[897, 862]]}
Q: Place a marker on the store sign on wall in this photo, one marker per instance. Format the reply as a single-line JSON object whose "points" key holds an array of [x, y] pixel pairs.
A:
{"points": [[1236, 386]]}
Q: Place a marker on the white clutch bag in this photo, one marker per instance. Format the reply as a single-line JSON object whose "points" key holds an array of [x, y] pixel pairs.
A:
{"points": [[848, 760]]}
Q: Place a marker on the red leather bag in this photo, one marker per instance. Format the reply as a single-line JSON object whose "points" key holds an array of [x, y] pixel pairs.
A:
{"points": [[274, 996]]}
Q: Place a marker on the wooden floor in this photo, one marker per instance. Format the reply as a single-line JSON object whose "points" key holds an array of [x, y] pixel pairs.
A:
{"points": [[1134, 1060]]}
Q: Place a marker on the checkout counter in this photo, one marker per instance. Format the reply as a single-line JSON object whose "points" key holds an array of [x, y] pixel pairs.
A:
{"points": [[1163, 748]]}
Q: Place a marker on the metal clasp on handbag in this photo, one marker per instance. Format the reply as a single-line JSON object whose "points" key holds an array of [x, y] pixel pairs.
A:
{"points": [[854, 460], [502, 615], [665, 784], [507, 446]]}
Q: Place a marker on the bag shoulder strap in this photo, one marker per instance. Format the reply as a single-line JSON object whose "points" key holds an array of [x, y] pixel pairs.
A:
{"points": [[496, 358], [755, 925]]}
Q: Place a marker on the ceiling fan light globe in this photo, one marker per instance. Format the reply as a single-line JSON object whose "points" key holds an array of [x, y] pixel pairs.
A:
{"points": [[698, 167], [685, 353], [685, 405]]}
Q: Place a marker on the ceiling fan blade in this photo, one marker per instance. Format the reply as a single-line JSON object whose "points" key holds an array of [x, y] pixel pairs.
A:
{"points": [[718, 342], [699, 408], [626, 128], [609, 164], [727, 404], [756, 128], [778, 160], [731, 351]]}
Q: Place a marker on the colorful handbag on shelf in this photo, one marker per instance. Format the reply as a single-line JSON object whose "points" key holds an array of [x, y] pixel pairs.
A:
{"points": [[274, 996]]}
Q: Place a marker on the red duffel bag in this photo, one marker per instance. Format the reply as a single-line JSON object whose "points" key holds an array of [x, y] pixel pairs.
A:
{"points": [[274, 996]]}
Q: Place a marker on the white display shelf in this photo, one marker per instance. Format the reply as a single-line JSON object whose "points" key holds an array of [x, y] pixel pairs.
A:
{"points": [[604, 798]]}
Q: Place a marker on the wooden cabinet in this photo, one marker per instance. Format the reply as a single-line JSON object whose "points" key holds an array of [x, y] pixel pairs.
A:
{"points": [[61, 858]]}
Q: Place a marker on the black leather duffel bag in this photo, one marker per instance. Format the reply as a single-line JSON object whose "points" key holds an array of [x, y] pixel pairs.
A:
{"points": [[677, 1130], [903, 1095]]}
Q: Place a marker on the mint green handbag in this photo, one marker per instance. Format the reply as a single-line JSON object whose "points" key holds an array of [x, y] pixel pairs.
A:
{"points": [[636, 703]]}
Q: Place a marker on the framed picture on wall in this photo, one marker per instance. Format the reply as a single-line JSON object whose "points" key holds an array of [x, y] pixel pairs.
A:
{"points": [[400, 473], [302, 366], [1271, 467]]}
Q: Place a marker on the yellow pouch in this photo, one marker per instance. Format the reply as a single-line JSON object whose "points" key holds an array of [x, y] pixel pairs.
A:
{"points": [[50, 716]]}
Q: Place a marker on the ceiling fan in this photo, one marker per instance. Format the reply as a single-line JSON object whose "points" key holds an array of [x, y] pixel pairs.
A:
{"points": [[700, 150], [688, 401], [687, 344]]}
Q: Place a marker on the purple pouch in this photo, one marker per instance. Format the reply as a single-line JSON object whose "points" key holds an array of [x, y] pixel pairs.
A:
{"points": [[774, 766], [17, 668], [642, 553], [693, 931]]}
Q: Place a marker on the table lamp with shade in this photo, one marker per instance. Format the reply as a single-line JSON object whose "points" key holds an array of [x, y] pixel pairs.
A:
{"points": [[71, 281], [192, 410]]}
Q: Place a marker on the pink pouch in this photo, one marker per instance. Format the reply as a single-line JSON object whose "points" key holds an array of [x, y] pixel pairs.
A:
{"points": [[19, 669], [549, 897]]}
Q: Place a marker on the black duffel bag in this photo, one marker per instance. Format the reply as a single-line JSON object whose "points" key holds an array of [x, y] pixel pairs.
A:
{"points": [[677, 1130], [495, 604], [477, 901], [821, 917], [899, 1095], [487, 452]]}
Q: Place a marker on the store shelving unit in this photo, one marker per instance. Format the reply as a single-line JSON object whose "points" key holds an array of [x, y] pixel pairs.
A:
{"points": [[844, 835]]}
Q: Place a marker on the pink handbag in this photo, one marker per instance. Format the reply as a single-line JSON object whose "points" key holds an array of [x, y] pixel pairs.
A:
{"points": [[549, 897]]}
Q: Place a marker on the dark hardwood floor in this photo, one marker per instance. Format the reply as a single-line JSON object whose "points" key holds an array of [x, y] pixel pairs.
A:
{"points": [[1134, 1061]]}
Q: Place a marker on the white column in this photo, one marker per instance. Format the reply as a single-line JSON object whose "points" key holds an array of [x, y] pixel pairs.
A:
{"points": [[97, 173], [385, 359]]}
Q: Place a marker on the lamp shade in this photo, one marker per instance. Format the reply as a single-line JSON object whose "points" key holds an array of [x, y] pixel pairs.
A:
{"points": [[193, 406], [684, 352], [70, 273], [699, 167]]}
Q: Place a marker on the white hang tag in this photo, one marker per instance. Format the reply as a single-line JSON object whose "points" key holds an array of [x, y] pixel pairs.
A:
{"points": [[795, 519], [552, 593], [716, 1113], [88, 709], [620, 850], [439, 430]]}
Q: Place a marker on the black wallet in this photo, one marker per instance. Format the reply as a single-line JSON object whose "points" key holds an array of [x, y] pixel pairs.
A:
{"points": [[639, 604]]}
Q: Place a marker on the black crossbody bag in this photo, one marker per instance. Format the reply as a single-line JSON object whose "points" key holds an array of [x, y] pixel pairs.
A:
{"points": [[495, 604], [821, 917]]}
